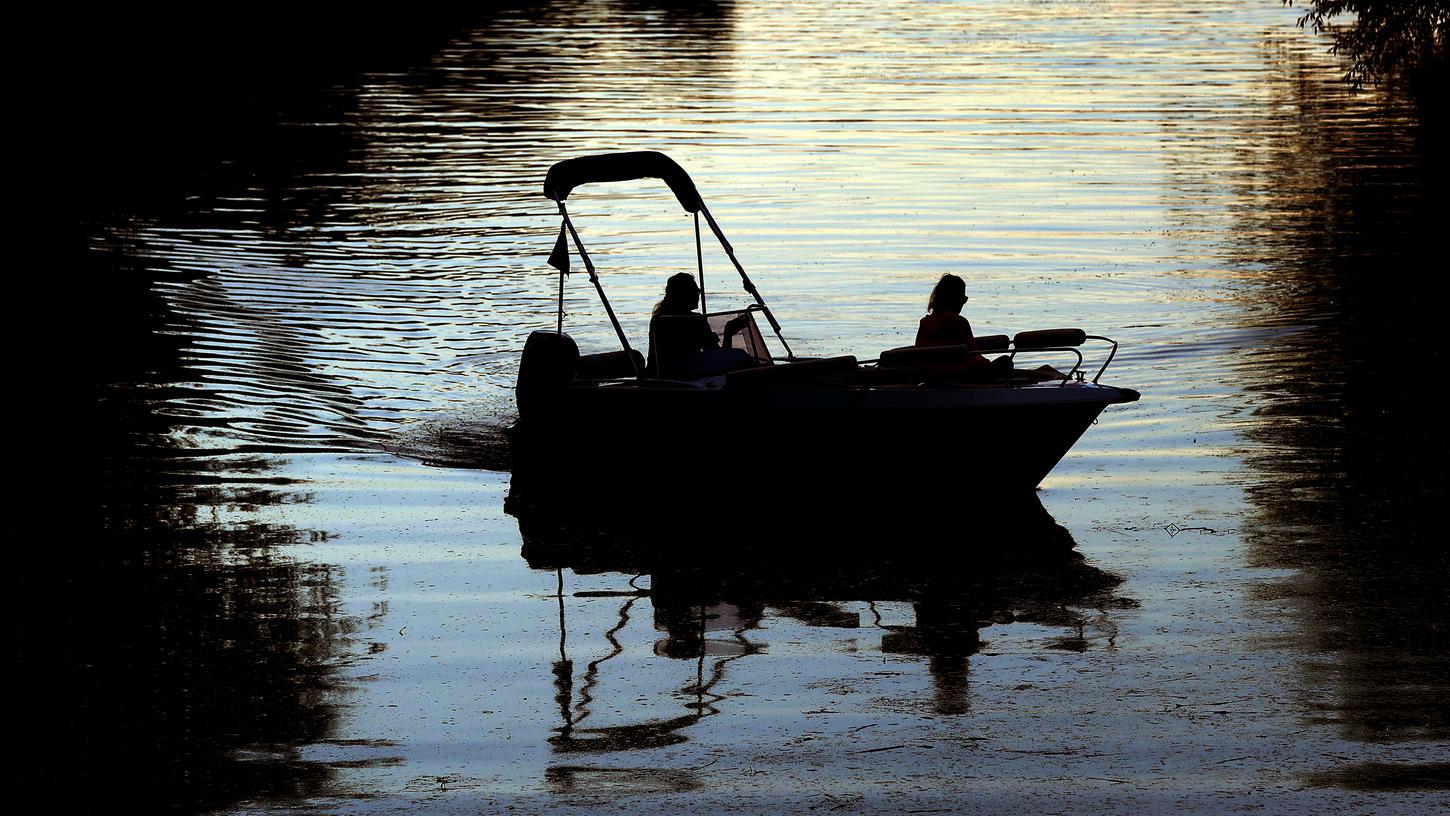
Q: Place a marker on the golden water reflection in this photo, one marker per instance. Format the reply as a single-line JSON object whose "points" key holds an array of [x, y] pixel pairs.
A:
{"points": [[352, 267]]}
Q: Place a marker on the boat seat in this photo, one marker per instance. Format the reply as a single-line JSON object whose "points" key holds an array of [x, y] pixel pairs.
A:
{"points": [[672, 340], [992, 342], [1048, 338], [747, 348], [926, 356], [938, 356], [802, 372], [610, 365], [712, 363]]}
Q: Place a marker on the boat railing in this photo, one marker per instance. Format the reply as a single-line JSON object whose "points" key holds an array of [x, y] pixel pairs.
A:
{"points": [[1063, 340], [611, 368], [1112, 352]]}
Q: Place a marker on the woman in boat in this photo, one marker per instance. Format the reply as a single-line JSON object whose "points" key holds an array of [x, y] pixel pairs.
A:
{"points": [[944, 325], [677, 331]]}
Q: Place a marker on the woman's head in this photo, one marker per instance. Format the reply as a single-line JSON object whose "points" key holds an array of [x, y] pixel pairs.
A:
{"points": [[949, 295], [681, 295]]}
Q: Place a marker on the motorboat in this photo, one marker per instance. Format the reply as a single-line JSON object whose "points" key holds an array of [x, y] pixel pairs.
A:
{"points": [[754, 423]]}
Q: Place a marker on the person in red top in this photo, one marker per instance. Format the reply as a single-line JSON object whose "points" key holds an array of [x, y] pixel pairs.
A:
{"points": [[944, 324]]}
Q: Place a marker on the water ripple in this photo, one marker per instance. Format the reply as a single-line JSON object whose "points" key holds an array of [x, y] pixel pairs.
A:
{"points": [[373, 271]]}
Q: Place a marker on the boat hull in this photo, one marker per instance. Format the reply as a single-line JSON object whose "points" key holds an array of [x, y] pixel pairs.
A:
{"points": [[655, 447]]}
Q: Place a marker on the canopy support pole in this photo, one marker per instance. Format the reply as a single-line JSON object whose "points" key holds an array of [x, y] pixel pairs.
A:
{"points": [[594, 279], [563, 668], [700, 261], [744, 278]]}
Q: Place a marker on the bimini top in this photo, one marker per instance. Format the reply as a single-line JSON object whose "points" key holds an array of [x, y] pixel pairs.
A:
{"points": [[570, 173]]}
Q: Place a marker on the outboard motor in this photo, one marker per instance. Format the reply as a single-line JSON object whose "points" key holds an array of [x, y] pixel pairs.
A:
{"points": [[550, 361]]}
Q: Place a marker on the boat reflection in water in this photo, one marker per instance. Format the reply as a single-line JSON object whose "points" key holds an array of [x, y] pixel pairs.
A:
{"points": [[711, 586]]}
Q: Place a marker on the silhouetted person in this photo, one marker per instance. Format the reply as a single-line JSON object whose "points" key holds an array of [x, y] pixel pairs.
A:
{"points": [[677, 331], [944, 325]]}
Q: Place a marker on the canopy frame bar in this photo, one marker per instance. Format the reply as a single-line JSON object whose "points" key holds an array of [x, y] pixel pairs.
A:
{"points": [[700, 262], [598, 287], [564, 176], [745, 279]]}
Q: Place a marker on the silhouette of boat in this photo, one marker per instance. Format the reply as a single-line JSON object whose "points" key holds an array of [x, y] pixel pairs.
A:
{"points": [[768, 424]]}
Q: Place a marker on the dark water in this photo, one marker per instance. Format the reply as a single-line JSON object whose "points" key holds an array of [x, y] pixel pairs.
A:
{"points": [[307, 289]]}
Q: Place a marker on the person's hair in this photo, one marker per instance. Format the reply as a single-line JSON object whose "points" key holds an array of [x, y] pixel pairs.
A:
{"points": [[949, 293], [681, 295]]}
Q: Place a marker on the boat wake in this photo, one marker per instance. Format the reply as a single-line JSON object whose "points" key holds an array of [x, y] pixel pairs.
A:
{"points": [[458, 440]]}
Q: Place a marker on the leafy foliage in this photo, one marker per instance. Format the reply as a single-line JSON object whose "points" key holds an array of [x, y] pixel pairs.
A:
{"points": [[1387, 38]]}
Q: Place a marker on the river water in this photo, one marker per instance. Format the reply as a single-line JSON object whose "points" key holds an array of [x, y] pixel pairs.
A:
{"points": [[299, 590]]}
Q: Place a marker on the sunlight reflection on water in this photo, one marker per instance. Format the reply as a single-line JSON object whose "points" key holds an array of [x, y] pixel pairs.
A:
{"points": [[388, 278], [1176, 178]]}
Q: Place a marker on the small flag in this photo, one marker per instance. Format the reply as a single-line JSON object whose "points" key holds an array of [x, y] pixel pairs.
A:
{"points": [[559, 258]]}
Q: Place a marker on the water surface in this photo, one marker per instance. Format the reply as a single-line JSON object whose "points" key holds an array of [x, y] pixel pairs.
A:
{"points": [[287, 602]]}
